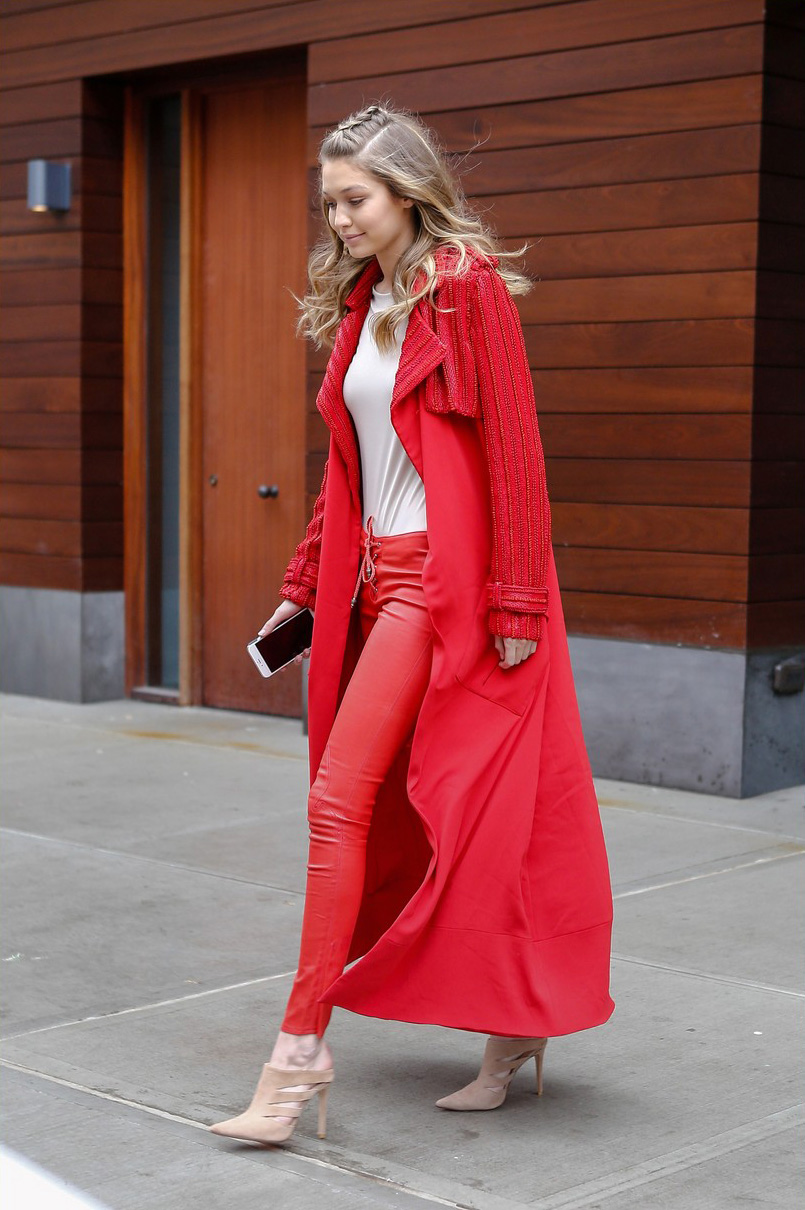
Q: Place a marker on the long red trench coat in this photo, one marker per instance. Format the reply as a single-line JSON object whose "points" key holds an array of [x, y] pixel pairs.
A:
{"points": [[487, 902]]}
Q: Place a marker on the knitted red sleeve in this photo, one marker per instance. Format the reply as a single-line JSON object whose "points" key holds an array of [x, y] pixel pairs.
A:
{"points": [[302, 575], [521, 518]]}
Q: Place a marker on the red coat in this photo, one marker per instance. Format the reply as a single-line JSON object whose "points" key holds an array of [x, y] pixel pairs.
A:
{"points": [[487, 903]]}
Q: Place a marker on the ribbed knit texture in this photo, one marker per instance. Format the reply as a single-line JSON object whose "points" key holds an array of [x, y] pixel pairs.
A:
{"points": [[485, 326], [520, 511]]}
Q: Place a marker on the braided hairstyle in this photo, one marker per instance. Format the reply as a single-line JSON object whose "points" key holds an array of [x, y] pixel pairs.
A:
{"points": [[357, 119], [394, 146]]}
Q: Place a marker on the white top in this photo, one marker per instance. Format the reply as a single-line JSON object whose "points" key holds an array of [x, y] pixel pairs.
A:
{"points": [[393, 493]]}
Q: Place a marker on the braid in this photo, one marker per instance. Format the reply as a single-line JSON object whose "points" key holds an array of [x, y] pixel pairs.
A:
{"points": [[358, 119]]}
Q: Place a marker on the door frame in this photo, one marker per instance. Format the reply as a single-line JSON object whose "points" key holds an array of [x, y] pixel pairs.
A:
{"points": [[191, 84], [135, 396]]}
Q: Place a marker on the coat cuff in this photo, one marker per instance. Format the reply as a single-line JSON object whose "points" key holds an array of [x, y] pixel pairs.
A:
{"points": [[306, 597], [515, 625], [299, 583], [515, 610], [518, 598]]}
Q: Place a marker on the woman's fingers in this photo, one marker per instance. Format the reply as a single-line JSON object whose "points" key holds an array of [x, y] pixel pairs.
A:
{"points": [[514, 651], [286, 609]]}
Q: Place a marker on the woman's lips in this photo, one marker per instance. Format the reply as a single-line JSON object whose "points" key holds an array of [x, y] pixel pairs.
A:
{"points": [[349, 238]]}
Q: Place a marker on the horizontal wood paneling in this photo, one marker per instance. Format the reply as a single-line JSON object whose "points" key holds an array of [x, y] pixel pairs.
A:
{"points": [[648, 153], [41, 395], [669, 60], [650, 527], [61, 322], [231, 33], [65, 430], [61, 395], [42, 102], [668, 389], [60, 249], [624, 253], [715, 342], [730, 246], [726, 150], [732, 101], [624, 436], [657, 619], [44, 537], [642, 297], [651, 481], [60, 137], [58, 286], [59, 571], [93, 178], [776, 624], [61, 466], [653, 573], [91, 214], [63, 359], [60, 503], [532, 31], [691, 202]]}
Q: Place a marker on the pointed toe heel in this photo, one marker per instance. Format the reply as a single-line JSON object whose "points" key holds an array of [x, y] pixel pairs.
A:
{"points": [[502, 1059], [280, 1093]]}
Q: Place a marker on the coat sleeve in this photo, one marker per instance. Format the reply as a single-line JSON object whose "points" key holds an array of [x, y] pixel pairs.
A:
{"points": [[301, 577], [517, 591]]}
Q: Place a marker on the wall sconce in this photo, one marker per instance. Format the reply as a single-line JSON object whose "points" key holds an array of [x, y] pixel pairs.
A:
{"points": [[48, 185]]}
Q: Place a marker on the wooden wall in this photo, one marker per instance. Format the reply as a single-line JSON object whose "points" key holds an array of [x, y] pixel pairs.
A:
{"points": [[60, 414], [648, 150]]}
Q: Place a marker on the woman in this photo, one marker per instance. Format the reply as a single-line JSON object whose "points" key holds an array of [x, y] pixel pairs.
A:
{"points": [[455, 839]]}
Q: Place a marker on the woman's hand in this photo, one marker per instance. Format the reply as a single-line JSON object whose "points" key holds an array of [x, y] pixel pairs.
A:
{"points": [[513, 651], [286, 609]]}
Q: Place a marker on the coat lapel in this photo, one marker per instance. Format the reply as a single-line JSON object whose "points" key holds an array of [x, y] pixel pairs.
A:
{"points": [[421, 352]]}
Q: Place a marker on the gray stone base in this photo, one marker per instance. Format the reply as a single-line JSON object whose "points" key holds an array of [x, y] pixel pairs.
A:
{"points": [[681, 717], [64, 645], [687, 717]]}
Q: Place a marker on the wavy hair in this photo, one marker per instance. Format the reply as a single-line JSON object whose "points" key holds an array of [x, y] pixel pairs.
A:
{"points": [[395, 147]]}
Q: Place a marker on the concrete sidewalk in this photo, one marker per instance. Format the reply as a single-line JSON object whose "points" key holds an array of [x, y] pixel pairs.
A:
{"points": [[153, 876]]}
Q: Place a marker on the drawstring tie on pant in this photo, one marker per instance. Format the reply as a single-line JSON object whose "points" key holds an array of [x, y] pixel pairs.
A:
{"points": [[367, 570]]}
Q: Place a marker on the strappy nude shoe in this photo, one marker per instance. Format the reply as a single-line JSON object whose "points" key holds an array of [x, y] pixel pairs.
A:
{"points": [[274, 1100], [502, 1058]]}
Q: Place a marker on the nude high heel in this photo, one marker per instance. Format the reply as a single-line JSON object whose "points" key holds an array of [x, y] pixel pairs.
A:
{"points": [[502, 1058], [259, 1124]]}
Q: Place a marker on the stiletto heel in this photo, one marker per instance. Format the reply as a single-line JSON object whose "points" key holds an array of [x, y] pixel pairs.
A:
{"points": [[503, 1057], [322, 1130], [275, 1097]]}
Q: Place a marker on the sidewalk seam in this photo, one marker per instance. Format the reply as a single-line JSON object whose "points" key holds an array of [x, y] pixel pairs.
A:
{"points": [[589, 1193]]}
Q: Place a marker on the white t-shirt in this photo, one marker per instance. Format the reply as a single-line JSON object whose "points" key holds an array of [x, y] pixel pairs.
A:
{"points": [[393, 493]]}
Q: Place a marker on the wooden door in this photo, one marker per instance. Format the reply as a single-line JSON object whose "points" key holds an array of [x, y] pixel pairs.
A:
{"points": [[253, 230]]}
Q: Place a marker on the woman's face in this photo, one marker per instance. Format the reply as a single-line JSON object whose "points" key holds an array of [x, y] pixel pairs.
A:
{"points": [[364, 212]]}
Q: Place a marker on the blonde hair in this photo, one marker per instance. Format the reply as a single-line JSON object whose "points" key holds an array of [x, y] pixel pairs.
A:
{"points": [[396, 148]]}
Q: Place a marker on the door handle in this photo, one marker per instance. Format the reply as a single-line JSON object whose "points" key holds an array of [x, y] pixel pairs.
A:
{"points": [[264, 492]]}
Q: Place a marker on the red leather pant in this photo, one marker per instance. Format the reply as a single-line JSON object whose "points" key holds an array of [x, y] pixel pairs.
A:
{"points": [[376, 716]]}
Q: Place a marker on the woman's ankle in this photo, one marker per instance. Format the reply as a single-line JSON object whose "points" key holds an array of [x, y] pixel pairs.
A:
{"points": [[299, 1050]]}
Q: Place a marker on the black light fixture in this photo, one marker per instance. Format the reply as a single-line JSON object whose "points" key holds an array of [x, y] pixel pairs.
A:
{"points": [[48, 186]]}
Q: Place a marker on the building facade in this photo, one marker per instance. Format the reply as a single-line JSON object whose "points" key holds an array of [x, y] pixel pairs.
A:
{"points": [[160, 443]]}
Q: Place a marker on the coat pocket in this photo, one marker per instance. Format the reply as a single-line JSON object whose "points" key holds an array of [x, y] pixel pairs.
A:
{"points": [[512, 688]]}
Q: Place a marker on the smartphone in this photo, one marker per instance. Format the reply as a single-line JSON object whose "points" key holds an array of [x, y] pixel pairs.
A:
{"points": [[281, 645]]}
